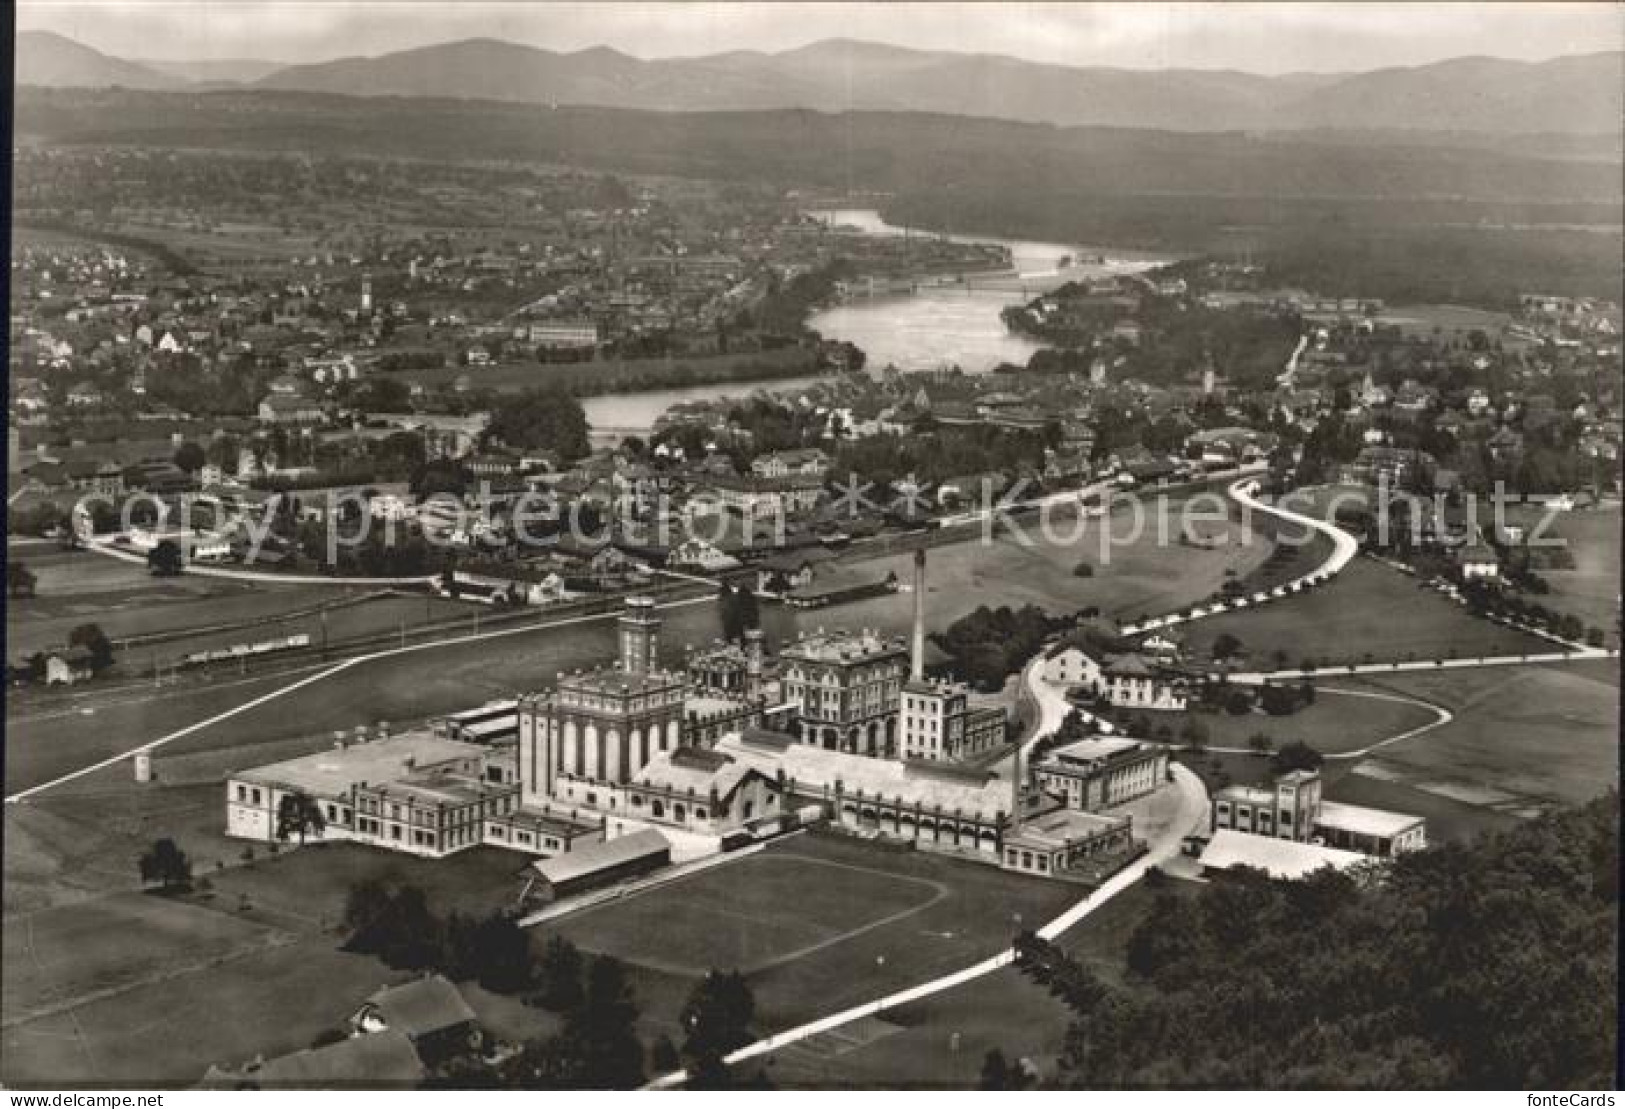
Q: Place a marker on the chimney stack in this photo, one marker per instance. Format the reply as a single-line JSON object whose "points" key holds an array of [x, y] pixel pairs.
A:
{"points": [[753, 662], [1015, 791], [917, 668]]}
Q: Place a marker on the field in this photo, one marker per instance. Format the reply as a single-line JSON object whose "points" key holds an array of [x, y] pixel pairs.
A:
{"points": [[1423, 319], [1334, 724], [1145, 575], [1366, 613], [104, 984], [823, 922], [1523, 738], [1591, 590], [940, 1042], [64, 731]]}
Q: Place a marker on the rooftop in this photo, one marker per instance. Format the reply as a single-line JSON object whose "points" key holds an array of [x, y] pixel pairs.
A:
{"points": [[844, 646], [425, 1005], [1061, 826], [600, 856], [926, 784], [331, 773], [1093, 750], [1366, 822], [612, 679], [380, 1059], [1280, 858]]}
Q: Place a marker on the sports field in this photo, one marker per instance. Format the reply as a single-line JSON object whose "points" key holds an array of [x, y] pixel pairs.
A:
{"points": [[940, 1042], [817, 922]]}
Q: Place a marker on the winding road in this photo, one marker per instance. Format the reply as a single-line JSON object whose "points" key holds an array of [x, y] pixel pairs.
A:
{"points": [[1244, 492]]}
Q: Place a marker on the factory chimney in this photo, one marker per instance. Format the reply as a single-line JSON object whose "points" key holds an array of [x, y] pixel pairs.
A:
{"points": [[917, 666], [753, 662], [1015, 791]]}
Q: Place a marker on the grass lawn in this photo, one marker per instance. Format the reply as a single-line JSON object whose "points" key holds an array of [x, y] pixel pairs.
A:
{"points": [[81, 586], [1591, 589], [1367, 613], [1142, 576], [915, 1047], [168, 1032], [734, 916], [108, 987], [313, 881], [1548, 733], [1333, 724], [938, 914]]}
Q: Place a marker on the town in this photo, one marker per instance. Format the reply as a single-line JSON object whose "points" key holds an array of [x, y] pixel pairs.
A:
{"points": [[508, 622]]}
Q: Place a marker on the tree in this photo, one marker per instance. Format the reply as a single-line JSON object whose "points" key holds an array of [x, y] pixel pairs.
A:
{"points": [[1000, 1074], [93, 639], [190, 457], [20, 580], [298, 814], [663, 1056], [738, 611], [1296, 755], [717, 1017], [166, 560], [1194, 733], [599, 1043], [1261, 743], [1225, 646], [500, 955], [167, 865], [558, 976], [542, 419]]}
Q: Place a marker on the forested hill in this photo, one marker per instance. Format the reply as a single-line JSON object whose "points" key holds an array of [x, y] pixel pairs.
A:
{"points": [[1488, 965], [873, 151], [1399, 220]]}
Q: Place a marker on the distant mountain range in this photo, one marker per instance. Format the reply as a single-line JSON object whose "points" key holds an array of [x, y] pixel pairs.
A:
{"points": [[1581, 94]]}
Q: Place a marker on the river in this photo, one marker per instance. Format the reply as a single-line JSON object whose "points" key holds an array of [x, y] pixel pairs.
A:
{"points": [[953, 325], [937, 326]]}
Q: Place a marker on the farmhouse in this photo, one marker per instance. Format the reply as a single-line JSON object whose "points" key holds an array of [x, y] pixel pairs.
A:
{"points": [[430, 1012], [1128, 680]]}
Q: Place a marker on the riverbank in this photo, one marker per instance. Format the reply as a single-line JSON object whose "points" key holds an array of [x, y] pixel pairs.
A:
{"points": [[618, 376]]}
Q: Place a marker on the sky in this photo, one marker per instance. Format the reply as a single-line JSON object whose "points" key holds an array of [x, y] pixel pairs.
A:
{"points": [[1260, 38]]}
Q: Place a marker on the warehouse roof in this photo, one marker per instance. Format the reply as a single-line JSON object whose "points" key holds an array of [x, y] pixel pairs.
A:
{"points": [[1280, 858], [593, 858]]}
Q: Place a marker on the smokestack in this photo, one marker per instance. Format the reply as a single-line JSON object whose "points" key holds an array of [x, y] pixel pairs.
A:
{"points": [[917, 669], [753, 662], [1015, 791]]}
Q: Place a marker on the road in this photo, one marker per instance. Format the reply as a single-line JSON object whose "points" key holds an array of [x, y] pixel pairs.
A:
{"points": [[1344, 549]]}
